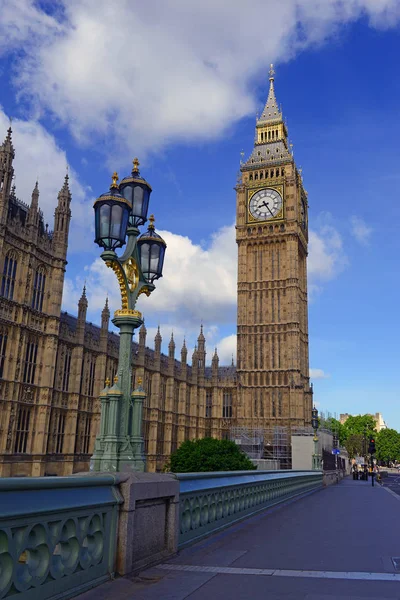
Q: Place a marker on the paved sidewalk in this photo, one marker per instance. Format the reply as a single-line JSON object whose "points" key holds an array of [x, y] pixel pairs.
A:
{"points": [[334, 543]]}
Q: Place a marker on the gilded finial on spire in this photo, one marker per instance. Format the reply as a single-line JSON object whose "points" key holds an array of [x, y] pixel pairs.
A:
{"points": [[139, 381], [116, 379], [108, 382], [151, 219], [114, 178], [135, 165], [271, 72]]}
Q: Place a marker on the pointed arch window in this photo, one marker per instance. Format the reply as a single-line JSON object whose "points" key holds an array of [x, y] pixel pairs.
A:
{"points": [[66, 369], [227, 405], [38, 288], [30, 361], [22, 429], [208, 403], [3, 349], [9, 274], [92, 372]]}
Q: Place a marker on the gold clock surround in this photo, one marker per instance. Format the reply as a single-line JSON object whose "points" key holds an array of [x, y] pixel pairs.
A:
{"points": [[252, 191]]}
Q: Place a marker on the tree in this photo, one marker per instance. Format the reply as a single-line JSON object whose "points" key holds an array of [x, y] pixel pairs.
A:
{"points": [[354, 445], [388, 445], [360, 425], [209, 454]]}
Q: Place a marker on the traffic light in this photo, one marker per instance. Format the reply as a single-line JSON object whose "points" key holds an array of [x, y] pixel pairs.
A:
{"points": [[371, 447], [335, 441]]}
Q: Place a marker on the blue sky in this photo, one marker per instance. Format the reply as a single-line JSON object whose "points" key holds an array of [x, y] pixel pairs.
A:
{"points": [[180, 87]]}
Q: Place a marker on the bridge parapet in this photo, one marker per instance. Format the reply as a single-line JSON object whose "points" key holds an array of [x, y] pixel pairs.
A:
{"points": [[209, 502], [57, 534]]}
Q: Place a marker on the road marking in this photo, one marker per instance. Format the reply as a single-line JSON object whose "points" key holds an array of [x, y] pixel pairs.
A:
{"points": [[391, 492], [355, 575]]}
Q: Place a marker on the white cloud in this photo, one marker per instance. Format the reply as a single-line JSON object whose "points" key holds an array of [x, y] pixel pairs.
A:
{"points": [[360, 230], [326, 257], [160, 72], [39, 157], [226, 348], [318, 374]]}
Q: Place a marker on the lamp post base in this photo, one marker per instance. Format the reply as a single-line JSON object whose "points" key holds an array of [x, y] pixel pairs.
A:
{"points": [[120, 443]]}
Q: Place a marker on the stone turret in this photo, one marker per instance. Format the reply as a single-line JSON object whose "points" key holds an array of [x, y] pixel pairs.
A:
{"points": [[105, 316], [195, 364], [171, 347], [142, 345], [7, 156], [157, 341], [105, 320], [33, 215], [82, 310], [201, 352], [214, 366], [62, 218], [184, 359]]}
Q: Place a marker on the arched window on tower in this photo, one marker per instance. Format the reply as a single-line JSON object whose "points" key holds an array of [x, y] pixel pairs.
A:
{"points": [[9, 274], [250, 177], [38, 288], [256, 176]]}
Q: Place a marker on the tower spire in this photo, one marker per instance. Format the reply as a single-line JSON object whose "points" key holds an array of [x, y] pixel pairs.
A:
{"points": [[271, 144], [271, 110]]}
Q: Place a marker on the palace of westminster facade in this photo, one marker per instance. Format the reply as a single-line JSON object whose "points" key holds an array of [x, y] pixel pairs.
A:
{"points": [[53, 365]]}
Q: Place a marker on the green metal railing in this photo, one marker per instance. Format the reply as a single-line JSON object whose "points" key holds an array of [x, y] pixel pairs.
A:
{"points": [[212, 501], [57, 535]]}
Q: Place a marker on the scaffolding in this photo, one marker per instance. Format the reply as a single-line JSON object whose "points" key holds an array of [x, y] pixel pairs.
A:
{"points": [[251, 441], [269, 444]]}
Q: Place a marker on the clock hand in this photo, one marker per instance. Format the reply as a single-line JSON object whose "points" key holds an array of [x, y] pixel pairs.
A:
{"points": [[272, 214]]}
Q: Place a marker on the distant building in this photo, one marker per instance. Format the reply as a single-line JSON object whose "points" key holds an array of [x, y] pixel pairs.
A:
{"points": [[379, 422]]}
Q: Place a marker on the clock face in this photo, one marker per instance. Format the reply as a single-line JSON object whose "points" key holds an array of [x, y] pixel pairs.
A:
{"points": [[265, 204]]}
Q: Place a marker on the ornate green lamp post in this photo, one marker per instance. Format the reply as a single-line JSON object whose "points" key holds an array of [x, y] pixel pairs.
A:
{"points": [[316, 457], [118, 214]]}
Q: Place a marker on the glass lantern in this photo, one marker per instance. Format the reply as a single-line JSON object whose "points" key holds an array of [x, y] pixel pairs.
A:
{"points": [[151, 248], [111, 217], [137, 192], [314, 418]]}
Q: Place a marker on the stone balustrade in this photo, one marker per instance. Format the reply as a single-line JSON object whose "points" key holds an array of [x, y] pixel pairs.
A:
{"points": [[211, 501], [60, 536]]}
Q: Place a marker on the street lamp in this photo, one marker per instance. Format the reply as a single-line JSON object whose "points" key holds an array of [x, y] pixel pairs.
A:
{"points": [[316, 457], [118, 214]]}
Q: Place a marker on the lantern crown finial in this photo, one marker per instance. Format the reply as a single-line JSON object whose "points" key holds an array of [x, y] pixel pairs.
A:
{"points": [[114, 178], [135, 165], [151, 226]]}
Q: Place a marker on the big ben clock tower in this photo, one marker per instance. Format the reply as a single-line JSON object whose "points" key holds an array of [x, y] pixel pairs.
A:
{"points": [[272, 238]]}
